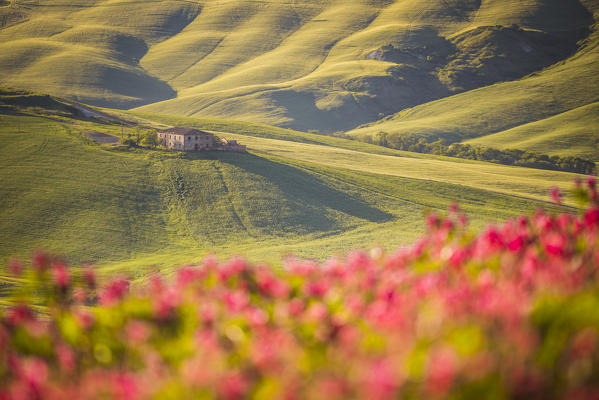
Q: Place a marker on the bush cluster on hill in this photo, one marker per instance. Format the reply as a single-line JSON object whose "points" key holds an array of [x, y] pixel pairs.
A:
{"points": [[505, 156], [145, 137], [512, 312]]}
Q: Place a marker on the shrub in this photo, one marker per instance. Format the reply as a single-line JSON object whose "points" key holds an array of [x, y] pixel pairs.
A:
{"points": [[511, 312]]}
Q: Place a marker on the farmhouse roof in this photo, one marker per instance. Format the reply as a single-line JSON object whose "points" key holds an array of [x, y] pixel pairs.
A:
{"points": [[185, 131]]}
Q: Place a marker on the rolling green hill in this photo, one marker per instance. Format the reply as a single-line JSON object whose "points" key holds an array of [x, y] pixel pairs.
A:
{"points": [[139, 209], [551, 111], [327, 65], [572, 133], [499, 73]]}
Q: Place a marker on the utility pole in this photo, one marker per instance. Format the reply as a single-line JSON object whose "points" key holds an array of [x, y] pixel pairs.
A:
{"points": [[122, 131]]}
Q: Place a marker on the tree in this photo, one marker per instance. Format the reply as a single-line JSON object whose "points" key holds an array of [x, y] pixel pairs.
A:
{"points": [[150, 138], [381, 139]]}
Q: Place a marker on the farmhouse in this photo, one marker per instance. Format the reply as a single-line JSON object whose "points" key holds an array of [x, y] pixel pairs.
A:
{"points": [[189, 139], [186, 139]]}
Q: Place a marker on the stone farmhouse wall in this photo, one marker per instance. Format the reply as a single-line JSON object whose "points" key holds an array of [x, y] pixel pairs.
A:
{"points": [[187, 139]]}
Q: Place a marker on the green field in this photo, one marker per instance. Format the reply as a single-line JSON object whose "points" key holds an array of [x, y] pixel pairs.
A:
{"points": [[139, 209], [499, 73]]}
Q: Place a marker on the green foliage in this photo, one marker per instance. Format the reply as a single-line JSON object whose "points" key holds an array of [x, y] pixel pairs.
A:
{"points": [[505, 156]]}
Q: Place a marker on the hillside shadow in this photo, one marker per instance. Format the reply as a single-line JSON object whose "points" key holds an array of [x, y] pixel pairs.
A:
{"points": [[298, 185]]}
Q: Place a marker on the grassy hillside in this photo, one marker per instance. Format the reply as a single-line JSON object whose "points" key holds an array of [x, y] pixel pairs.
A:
{"points": [[337, 152], [551, 111], [131, 210], [90, 50], [572, 133], [328, 65]]}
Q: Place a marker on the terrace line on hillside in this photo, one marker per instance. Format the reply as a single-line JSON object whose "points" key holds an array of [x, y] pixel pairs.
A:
{"points": [[189, 139]]}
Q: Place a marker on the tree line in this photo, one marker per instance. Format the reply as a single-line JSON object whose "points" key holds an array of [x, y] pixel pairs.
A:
{"points": [[515, 157]]}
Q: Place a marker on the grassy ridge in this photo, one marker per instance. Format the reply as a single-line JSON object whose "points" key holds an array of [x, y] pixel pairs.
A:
{"points": [[559, 115], [331, 151], [136, 209], [572, 133], [329, 65]]}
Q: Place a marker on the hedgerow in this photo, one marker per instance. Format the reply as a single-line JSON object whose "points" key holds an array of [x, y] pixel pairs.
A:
{"points": [[511, 312]]}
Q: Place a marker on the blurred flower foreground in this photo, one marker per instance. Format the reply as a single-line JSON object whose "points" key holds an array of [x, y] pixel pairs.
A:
{"points": [[509, 313]]}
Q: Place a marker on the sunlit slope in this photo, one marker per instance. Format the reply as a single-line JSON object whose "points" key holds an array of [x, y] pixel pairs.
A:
{"points": [[332, 72], [551, 111], [328, 65], [63, 193], [527, 183], [132, 207], [90, 50], [573, 133]]}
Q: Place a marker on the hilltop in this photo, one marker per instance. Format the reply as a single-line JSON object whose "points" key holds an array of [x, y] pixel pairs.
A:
{"points": [[329, 65], [553, 110]]}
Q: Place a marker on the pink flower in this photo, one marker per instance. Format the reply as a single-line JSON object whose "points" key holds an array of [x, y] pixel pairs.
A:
{"points": [[257, 317], [591, 217], [299, 267], [89, 276], [381, 382], [126, 387], [556, 195], [454, 208], [432, 221], [79, 295], [516, 244], [137, 331], [331, 388], [187, 275], [296, 306], [66, 358], [15, 266], [165, 302], [316, 288], [60, 274], [234, 267], [591, 182], [458, 256], [233, 386], [236, 300], [40, 260], [208, 313], [34, 372], [20, 314], [114, 292], [441, 371], [270, 285], [84, 318], [317, 311], [555, 244]]}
